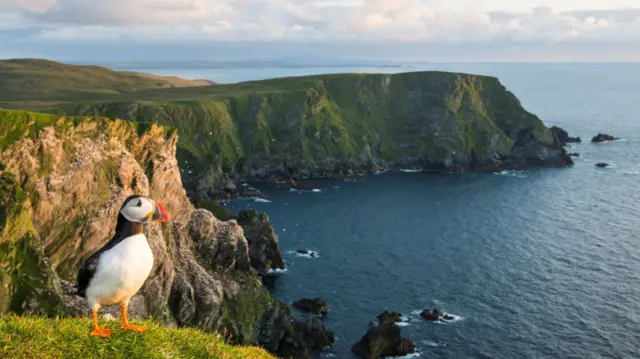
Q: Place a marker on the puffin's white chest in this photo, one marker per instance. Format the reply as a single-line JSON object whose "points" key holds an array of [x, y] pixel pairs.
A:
{"points": [[121, 271]]}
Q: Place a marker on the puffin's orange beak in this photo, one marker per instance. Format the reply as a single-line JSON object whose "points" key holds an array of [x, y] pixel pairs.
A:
{"points": [[160, 214]]}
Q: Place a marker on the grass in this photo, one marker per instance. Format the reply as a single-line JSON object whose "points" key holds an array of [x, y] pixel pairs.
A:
{"points": [[34, 79], [334, 118], [44, 338]]}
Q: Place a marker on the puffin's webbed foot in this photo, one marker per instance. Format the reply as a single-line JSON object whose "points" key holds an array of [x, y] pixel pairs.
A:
{"points": [[125, 321], [97, 331], [135, 328], [102, 332]]}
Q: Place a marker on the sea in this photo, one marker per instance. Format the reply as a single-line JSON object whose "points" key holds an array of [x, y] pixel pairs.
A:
{"points": [[541, 263]]}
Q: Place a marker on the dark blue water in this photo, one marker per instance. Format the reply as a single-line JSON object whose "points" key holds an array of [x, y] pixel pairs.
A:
{"points": [[537, 264]]}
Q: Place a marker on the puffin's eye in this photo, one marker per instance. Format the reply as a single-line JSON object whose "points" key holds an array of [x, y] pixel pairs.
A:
{"points": [[139, 203]]}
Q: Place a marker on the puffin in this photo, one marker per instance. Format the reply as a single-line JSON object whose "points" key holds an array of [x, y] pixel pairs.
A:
{"points": [[116, 272]]}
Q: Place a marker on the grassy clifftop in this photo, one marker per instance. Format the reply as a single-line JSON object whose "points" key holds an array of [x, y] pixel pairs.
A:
{"points": [[34, 337], [42, 80], [330, 121], [315, 126]]}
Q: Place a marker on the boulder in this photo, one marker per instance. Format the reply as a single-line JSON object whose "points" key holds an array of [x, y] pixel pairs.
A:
{"points": [[603, 137], [563, 136], [315, 306], [431, 314], [385, 340], [389, 316], [314, 333], [602, 164], [574, 154]]}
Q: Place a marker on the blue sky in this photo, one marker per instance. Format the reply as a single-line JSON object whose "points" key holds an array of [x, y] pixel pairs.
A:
{"points": [[401, 30]]}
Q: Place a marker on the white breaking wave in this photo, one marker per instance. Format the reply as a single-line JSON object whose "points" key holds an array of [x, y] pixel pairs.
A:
{"points": [[304, 190], [519, 174], [381, 172], [309, 254], [277, 271], [262, 200], [431, 343], [456, 318], [414, 355], [410, 171]]}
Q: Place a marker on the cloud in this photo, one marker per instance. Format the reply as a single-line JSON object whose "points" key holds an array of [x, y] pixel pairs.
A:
{"points": [[350, 21]]}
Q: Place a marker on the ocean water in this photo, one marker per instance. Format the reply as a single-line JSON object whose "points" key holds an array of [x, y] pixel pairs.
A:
{"points": [[536, 264]]}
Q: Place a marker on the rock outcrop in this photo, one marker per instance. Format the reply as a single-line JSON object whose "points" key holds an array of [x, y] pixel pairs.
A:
{"points": [[63, 181], [389, 317], [315, 306], [342, 125], [563, 136], [602, 164], [382, 341], [263, 241], [603, 137]]}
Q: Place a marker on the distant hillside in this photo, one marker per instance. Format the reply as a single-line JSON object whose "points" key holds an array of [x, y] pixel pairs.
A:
{"points": [[44, 80]]}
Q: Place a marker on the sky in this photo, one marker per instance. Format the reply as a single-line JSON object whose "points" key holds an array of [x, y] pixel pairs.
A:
{"points": [[380, 30]]}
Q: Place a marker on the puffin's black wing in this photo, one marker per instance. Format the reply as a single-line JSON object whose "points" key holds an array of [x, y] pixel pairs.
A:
{"points": [[86, 272]]}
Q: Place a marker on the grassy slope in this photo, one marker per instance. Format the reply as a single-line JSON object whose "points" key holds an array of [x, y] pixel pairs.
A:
{"points": [[43, 81], [35, 337], [308, 119]]}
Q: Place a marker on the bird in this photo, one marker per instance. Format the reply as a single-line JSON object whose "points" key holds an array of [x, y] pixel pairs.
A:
{"points": [[116, 272]]}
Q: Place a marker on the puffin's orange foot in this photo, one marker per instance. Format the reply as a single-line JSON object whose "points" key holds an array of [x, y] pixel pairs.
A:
{"points": [[135, 328], [102, 332]]}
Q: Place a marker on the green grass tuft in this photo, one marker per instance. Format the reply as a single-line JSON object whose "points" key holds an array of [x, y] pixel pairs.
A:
{"points": [[36, 337]]}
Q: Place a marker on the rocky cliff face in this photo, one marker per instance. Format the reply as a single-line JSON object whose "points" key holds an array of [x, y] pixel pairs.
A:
{"points": [[63, 181], [330, 125]]}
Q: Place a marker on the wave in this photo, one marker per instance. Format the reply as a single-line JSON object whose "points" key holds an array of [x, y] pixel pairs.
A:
{"points": [[277, 271], [305, 253], [380, 172], [408, 356], [410, 170], [456, 318], [417, 317], [431, 343], [305, 190], [262, 200], [512, 173]]}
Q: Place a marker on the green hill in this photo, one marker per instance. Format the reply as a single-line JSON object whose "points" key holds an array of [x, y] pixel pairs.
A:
{"points": [[35, 337], [42, 80], [332, 125]]}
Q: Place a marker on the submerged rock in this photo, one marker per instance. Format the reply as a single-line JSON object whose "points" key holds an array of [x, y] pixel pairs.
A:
{"points": [[574, 154], [603, 137], [602, 164], [384, 340], [315, 306], [306, 252]]}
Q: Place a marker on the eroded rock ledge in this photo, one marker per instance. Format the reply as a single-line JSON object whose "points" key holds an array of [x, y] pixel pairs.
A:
{"points": [[67, 179]]}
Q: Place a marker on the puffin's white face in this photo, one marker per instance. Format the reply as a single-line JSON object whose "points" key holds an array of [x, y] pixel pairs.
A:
{"points": [[143, 210]]}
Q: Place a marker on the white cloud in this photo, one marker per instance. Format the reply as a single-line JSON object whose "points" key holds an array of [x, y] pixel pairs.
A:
{"points": [[371, 20]]}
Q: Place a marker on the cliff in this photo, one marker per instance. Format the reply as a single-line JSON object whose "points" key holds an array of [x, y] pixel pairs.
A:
{"points": [[66, 178], [337, 125]]}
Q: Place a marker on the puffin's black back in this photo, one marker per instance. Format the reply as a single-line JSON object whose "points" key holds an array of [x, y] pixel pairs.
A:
{"points": [[124, 229]]}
